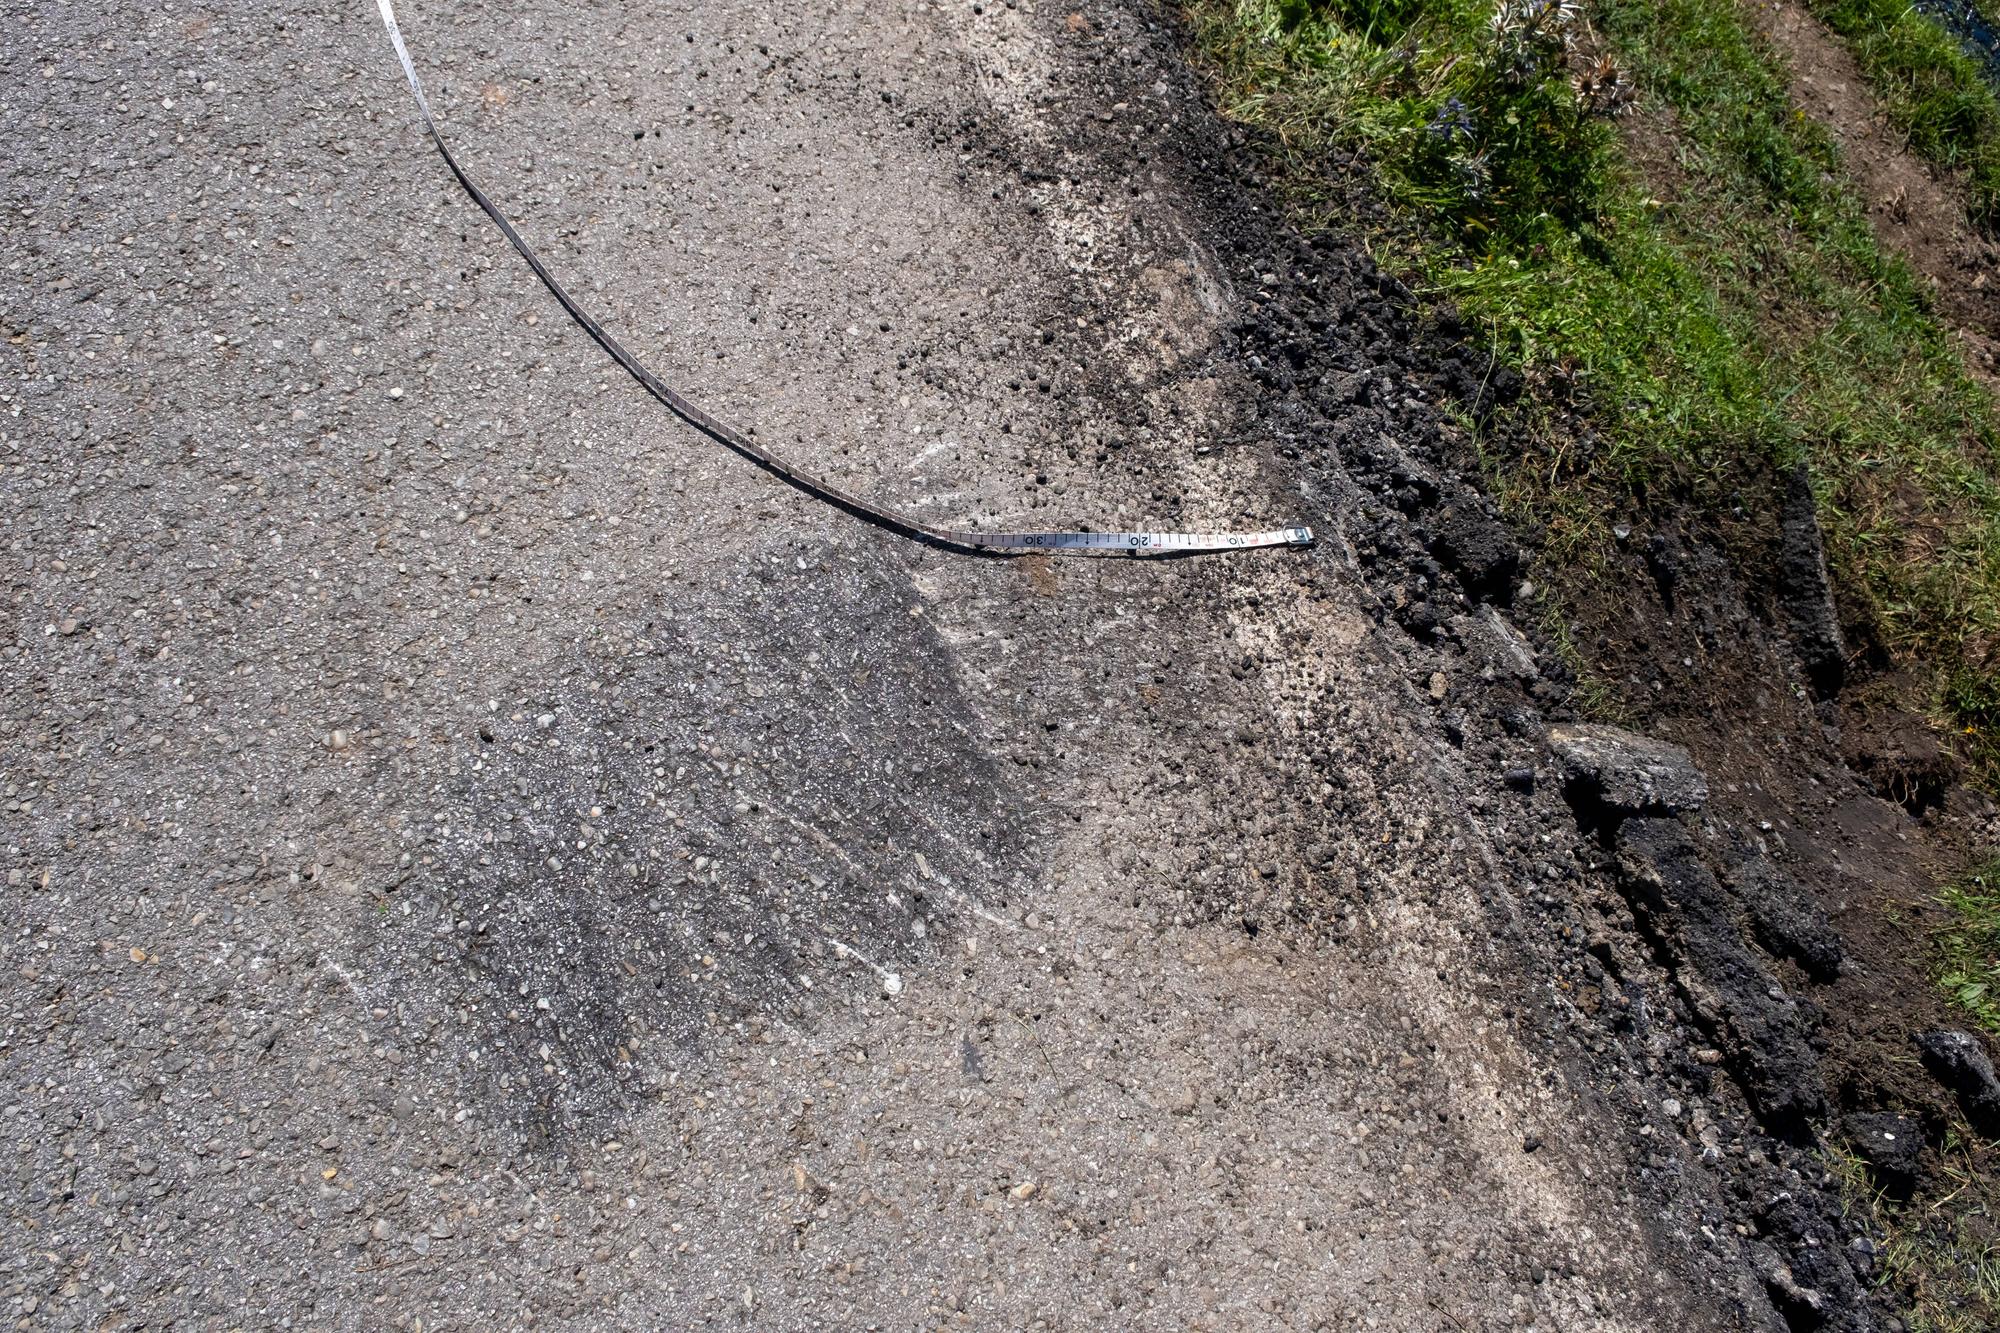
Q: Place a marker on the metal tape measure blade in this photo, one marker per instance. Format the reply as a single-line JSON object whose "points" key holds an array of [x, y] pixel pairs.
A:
{"points": [[1136, 543]]}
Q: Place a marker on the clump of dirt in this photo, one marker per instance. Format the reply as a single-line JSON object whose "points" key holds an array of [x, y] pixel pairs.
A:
{"points": [[1892, 750]]}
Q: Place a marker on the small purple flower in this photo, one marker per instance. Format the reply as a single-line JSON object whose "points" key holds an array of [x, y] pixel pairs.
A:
{"points": [[1451, 123]]}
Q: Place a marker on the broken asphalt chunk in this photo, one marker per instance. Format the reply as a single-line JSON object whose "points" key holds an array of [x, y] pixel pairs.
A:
{"points": [[1957, 1060], [1609, 769]]}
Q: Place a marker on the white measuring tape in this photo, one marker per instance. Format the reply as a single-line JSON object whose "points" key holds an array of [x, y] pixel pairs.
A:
{"points": [[1135, 543]]}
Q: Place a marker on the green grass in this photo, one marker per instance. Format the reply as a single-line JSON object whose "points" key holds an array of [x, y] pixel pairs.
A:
{"points": [[1968, 958], [1938, 1250], [1718, 301], [1931, 90]]}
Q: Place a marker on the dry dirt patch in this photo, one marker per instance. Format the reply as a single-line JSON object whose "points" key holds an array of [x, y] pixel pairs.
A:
{"points": [[1917, 214]]}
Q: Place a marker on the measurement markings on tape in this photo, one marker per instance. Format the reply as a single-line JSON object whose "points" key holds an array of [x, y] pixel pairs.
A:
{"points": [[965, 540]]}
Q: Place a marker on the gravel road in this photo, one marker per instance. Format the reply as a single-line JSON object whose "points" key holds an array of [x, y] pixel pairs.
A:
{"points": [[479, 855]]}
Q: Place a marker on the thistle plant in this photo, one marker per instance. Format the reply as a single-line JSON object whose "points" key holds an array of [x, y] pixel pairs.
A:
{"points": [[1475, 175], [1531, 36], [1603, 89], [1490, 108]]}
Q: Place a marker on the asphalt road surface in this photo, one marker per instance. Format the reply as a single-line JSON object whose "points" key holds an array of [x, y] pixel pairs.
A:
{"points": [[477, 854]]}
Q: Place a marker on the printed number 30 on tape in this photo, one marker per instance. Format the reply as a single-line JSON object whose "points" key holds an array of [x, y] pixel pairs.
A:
{"points": [[967, 540]]}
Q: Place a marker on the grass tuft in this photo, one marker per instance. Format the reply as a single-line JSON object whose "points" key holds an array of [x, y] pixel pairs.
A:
{"points": [[1968, 946]]}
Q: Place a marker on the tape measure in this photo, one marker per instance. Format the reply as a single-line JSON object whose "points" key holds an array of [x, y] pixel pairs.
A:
{"points": [[957, 539]]}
